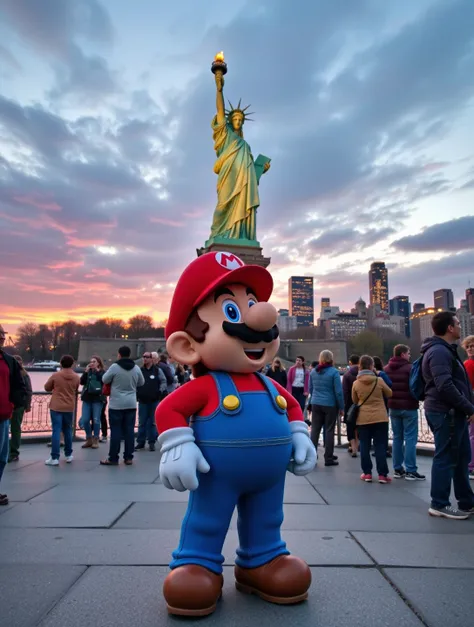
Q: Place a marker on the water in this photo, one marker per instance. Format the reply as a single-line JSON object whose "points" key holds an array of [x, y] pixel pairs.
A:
{"points": [[38, 379]]}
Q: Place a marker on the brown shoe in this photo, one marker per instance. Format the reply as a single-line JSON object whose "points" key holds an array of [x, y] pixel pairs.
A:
{"points": [[285, 580], [87, 443], [95, 443], [192, 590]]}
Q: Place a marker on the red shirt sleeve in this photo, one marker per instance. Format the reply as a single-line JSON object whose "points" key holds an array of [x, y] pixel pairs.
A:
{"points": [[293, 409], [176, 409], [469, 365]]}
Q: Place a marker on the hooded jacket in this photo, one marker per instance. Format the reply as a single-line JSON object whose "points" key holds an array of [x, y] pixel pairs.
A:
{"points": [[447, 384], [125, 377], [398, 369], [64, 386], [347, 382], [373, 409]]}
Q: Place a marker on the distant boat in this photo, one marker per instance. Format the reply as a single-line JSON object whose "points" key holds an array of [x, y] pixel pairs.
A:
{"points": [[44, 366]]}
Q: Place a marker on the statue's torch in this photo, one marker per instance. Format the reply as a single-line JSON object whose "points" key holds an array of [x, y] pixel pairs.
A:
{"points": [[219, 66]]}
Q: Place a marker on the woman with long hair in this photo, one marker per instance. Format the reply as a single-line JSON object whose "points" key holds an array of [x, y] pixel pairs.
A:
{"points": [[92, 401], [327, 402], [18, 413], [277, 372]]}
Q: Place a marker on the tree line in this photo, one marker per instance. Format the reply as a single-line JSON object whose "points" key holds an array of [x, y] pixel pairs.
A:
{"points": [[36, 342]]}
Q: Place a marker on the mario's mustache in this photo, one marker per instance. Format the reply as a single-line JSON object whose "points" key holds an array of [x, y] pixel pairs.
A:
{"points": [[246, 334]]}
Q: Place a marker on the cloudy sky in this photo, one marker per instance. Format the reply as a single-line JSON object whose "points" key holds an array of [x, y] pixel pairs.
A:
{"points": [[106, 154]]}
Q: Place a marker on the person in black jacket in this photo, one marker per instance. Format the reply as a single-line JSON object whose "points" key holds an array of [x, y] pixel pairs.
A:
{"points": [[277, 372], [12, 395], [149, 395], [449, 407]]}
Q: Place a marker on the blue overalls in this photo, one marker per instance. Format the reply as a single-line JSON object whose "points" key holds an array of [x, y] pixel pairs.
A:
{"points": [[247, 442]]}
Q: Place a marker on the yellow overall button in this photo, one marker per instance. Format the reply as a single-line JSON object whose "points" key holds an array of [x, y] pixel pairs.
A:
{"points": [[281, 402], [231, 402]]}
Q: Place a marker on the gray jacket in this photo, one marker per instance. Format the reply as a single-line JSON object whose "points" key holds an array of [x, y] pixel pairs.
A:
{"points": [[125, 377]]}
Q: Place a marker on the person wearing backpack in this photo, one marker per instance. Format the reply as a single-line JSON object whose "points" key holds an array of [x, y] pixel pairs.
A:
{"points": [[449, 408], [149, 395], [403, 410], [92, 401]]}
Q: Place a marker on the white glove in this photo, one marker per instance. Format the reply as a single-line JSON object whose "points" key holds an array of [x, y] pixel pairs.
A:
{"points": [[180, 460], [304, 455]]}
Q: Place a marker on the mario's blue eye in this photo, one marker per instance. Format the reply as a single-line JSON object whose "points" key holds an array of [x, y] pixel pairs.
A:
{"points": [[231, 311], [252, 302]]}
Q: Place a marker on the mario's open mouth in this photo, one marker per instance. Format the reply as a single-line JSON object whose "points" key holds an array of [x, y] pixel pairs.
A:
{"points": [[254, 353]]}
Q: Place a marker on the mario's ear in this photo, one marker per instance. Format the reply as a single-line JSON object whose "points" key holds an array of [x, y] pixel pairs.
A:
{"points": [[181, 347]]}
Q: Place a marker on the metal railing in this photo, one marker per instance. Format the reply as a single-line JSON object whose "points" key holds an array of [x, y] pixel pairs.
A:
{"points": [[38, 421]]}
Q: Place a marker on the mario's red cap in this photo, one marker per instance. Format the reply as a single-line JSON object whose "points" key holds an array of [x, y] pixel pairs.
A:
{"points": [[204, 275]]}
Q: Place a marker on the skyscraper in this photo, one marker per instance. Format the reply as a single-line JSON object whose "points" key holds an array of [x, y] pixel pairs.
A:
{"points": [[378, 285], [417, 307], [301, 299], [325, 302], [470, 300], [444, 300], [401, 306]]}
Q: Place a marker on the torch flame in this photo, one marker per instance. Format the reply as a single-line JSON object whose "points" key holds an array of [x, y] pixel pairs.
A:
{"points": [[219, 56]]}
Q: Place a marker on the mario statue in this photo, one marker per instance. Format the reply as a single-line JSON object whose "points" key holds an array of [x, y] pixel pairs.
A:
{"points": [[229, 436]]}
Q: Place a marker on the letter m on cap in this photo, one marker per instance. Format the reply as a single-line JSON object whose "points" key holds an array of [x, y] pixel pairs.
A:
{"points": [[229, 261]]}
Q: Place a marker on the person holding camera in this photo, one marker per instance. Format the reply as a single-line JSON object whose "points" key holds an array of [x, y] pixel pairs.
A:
{"points": [[92, 401]]}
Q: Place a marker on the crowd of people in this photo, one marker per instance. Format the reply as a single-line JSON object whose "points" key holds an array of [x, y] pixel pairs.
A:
{"points": [[367, 398]]}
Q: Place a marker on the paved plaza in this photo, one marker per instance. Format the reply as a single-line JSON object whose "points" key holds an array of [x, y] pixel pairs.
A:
{"points": [[85, 545]]}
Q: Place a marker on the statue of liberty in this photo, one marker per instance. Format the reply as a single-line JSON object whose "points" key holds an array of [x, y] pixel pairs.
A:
{"points": [[238, 174]]}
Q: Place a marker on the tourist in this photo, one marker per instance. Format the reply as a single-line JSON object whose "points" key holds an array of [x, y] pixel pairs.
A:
{"points": [[347, 382], [12, 395], [165, 366], [448, 407], [18, 413], [369, 392], [403, 409], [327, 402], [379, 371], [298, 381], [63, 386], [124, 377], [277, 372], [149, 395], [468, 345], [92, 401]]}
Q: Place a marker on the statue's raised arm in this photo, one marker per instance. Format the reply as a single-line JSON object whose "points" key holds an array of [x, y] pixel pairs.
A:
{"points": [[220, 98]]}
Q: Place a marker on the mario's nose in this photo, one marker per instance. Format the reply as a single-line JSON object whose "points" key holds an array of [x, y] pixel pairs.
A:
{"points": [[261, 317]]}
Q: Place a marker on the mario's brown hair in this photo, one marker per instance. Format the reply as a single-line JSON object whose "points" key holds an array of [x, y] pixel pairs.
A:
{"points": [[197, 329]]}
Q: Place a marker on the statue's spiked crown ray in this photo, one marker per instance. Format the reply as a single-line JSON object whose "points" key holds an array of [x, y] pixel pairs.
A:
{"points": [[230, 112]]}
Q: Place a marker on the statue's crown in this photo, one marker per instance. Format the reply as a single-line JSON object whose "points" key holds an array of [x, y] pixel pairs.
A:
{"points": [[230, 112]]}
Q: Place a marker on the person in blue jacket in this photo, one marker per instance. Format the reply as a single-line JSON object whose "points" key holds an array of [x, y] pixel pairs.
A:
{"points": [[327, 402]]}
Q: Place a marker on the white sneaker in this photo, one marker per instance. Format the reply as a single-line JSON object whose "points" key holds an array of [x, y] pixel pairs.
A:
{"points": [[52, 462], [69, 459]]}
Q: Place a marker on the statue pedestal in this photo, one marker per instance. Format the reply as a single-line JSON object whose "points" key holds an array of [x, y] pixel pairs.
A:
{"points": [[249, 254]]}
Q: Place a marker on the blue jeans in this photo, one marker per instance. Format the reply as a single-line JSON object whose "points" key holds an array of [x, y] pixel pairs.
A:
{"points": [[61, 421], [451, 460], [405, 437], [146, 423], [377, 432], [4, 445], [91, 412], [122, 425]]}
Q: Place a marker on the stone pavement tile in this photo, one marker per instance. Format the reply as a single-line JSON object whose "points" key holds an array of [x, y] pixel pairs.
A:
{"points": [[123, 474], [305, 517], [155, 546], [29, 592], [21, 463], [25, 490], [63, 515], [121, 605], [304, 493], [100, 493], [452, 605], [369, 494], [448, 550]]}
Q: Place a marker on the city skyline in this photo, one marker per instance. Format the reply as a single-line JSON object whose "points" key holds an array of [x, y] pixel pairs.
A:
{"points": [[106, 177]]}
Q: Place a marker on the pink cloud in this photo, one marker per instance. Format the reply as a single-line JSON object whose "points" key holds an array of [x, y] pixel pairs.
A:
{"points": [[62, 265], [166, 221], [77, 242], [35, 202]]}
